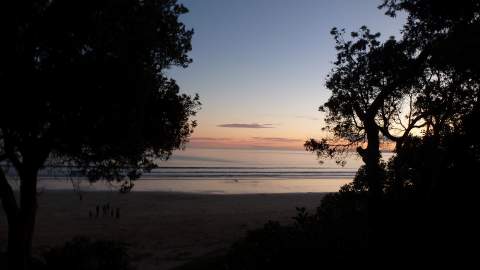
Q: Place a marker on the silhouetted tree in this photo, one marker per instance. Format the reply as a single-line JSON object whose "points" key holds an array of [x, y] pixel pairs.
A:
{"points": [[369, 84], [430, 76], [83, 84], [448, 34], [434, 67]]}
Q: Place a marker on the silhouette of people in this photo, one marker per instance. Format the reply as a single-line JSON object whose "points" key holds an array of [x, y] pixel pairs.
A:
{"points": [[107, 210]]}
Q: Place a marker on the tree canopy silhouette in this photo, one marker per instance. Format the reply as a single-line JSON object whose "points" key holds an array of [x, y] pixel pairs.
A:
{"points": [[428, 80], [367, 94], [83, 84]]}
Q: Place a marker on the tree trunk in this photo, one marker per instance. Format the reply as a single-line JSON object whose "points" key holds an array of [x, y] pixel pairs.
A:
{"points": [[11, 212], [372, 162], [21, 220], [371, 156]]}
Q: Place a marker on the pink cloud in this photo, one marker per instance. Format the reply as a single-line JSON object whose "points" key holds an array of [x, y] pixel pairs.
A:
{"points": [[252, 125]]}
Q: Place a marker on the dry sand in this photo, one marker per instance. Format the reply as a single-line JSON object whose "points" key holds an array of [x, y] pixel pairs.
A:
{"points": [[164, 230]]}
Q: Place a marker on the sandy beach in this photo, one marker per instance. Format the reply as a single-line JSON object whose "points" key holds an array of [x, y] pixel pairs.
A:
{"points": [[164, 230]]}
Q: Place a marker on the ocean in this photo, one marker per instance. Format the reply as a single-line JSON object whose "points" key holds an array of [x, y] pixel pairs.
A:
{"points": [[228, 171]]}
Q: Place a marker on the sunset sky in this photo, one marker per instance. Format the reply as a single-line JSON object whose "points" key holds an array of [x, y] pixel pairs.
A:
{"points": [[259, 66]]}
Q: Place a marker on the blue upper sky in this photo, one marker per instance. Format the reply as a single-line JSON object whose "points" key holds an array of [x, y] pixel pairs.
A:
{"points": [[260, 62]]}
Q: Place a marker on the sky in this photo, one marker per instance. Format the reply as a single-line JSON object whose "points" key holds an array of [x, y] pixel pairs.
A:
{"points": [[260, 66]]}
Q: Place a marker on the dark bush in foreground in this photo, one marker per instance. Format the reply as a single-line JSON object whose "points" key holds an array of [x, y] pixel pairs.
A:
{"points": [[85, 254], [414, 226], [335, 235]]}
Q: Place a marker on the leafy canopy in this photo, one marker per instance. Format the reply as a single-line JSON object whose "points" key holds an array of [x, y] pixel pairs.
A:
{"points": [[83, 83]]}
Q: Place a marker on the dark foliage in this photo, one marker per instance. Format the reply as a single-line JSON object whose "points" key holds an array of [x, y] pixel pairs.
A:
{"points": [[85, 254], [81, 254], [83, 84], [418, 226], [428, 214], [334, 236]]}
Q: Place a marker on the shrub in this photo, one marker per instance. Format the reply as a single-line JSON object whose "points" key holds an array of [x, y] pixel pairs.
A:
{"points": [[85, 254]]}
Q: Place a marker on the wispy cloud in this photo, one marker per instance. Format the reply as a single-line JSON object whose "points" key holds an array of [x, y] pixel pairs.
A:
{"points": [[252, 125], [277, 139], [307, 117], [209, 139]]}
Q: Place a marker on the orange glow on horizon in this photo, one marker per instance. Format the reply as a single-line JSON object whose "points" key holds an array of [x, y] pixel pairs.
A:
{"points": [[280, 143], [247, 143]]}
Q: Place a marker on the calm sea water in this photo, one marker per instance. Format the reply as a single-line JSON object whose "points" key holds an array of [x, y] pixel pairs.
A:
{"points": [[230, 171]]}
